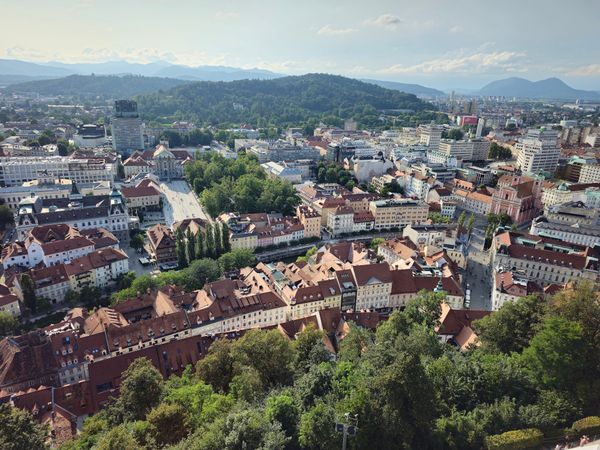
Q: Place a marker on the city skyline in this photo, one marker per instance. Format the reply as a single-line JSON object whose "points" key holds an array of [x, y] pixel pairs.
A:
{"points": [[459, 45]]}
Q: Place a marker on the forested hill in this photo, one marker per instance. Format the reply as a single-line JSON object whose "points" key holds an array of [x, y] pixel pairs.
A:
{"points": [[107, 86], [284, 100]]}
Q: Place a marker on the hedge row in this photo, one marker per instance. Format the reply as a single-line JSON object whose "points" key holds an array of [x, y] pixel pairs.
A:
{"points": [[515, 440], [587, 425]]}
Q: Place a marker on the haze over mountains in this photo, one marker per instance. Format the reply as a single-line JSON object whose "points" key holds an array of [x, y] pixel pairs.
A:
{"points": [[15, 68], [16, 72], [550, 88]]}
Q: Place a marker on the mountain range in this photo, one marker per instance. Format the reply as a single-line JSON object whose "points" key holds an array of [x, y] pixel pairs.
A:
{"points": [[550, 88], [15, 71], [86, 86]]}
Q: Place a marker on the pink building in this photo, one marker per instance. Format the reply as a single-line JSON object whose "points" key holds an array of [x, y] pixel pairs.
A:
{"points": [[518, 196]]}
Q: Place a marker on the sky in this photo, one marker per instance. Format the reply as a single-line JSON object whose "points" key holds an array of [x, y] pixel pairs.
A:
{"points": [[443, 44]]}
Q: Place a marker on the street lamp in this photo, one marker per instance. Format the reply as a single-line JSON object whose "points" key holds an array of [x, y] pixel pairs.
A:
{"points": [[348, 428]]}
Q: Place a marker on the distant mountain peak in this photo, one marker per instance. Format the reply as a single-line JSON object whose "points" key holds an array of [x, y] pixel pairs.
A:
{"points": [[549, 88]]}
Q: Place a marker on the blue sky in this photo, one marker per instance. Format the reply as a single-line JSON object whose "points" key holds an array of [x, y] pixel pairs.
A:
{"points": [[437, 43]]}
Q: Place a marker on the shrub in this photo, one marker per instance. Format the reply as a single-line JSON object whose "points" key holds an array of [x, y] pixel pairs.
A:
{"points": [[587, 425], [515, 440]]}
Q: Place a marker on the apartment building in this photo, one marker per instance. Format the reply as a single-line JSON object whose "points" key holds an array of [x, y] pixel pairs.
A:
{"points": [[547, 261], [341, 220], [475, 202], [575, 212], [145, 196], [55, 244], [260, 229], [430, 135], [461, 150], [99, 268], [398, 213], [162, 245], [9, 302], [509, 287], [81, 212], [427, 235], [576, 233], [590, 173], [15, 171], [45, 189], [374, 285], [310, 219], [418, 185], [539, 151], [281, 150]]}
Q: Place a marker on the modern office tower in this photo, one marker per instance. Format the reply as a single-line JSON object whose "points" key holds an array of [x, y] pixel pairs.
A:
{"points": [[127, 135], [538, 151], [480, 125], [431, 135]]}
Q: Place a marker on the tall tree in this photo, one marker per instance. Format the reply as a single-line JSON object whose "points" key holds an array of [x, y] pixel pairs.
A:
{"points": [[511, 327], [201, 271], [28, 289], [210, 242], [217, 238], [200, 250], [141, 388], [191, 245], [182, 261], [461, 219], [470, 223], [556, 355], [225, 238], [137, 241]]}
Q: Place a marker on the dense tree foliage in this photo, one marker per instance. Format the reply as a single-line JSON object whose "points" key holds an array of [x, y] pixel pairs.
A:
{"points": [[408, 389], [8, 324], [499, 152], [6, 217], [193, 138], [281, 101], [191, 278], [240, 185], [454, 133], [18, 431], [332, 173]]}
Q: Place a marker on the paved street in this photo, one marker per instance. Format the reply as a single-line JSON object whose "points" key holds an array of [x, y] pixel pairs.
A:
{"points": [[478, 277], [134, 262], [180, 202]]}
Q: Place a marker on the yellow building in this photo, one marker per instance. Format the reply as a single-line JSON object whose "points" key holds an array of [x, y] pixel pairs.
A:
{"points": [[398, 213], [311, 220], [243, 241]]}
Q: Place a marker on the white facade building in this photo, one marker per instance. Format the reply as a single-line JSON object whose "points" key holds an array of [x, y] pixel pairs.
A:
{"points": [[539, 151], [16, 171]]}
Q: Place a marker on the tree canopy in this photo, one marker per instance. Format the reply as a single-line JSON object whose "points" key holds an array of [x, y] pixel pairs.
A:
{"points": [[537, 367], [239, 185]]}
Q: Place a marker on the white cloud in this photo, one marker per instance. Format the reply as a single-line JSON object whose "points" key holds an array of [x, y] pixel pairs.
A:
{"points": [[329, 30], [481, 62], [17, 52], [385, 21], [456, 29], [591, 70]]}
